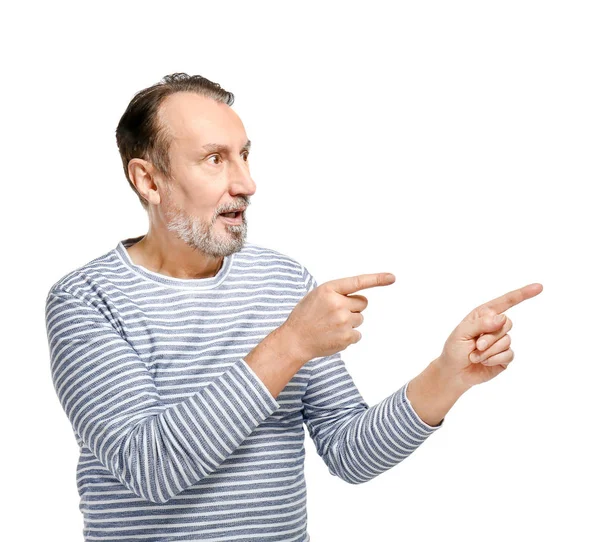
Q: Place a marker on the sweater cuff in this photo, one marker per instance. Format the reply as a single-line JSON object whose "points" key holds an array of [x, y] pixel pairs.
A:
{"points": [[417, 424], [250, 382]]}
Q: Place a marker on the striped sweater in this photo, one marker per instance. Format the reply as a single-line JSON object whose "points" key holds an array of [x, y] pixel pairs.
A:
{"points": [[179, 439]]}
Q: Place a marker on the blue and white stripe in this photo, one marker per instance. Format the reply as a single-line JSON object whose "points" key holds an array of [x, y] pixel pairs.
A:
{"points": [[179, 439]]}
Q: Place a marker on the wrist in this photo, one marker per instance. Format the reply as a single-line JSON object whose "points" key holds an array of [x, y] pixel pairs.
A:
{"points": [[273, 362], [287, 342], [447, 379], [433, 393]]}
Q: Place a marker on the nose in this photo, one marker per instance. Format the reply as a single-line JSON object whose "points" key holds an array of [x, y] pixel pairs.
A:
{"points": [[241, 180]]}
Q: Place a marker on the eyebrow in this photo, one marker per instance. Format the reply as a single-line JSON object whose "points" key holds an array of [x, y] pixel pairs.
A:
{"points": [[216, 147]]}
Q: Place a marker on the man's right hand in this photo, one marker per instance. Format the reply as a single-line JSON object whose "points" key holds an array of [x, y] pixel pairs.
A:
{"points": [[324, 320]]}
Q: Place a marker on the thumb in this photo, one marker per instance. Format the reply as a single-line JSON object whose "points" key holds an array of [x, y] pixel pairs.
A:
{"points": [[484, 323]]}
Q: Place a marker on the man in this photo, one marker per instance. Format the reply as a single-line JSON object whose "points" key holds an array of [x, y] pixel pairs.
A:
{"points": [[187, 360]]}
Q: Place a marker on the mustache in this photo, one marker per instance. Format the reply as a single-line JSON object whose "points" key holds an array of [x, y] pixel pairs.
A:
{"points": [[245, 202]]}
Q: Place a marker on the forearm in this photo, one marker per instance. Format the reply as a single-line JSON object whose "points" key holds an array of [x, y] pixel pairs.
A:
{"points": [[433, 393], [273, 361], [358, 442]]}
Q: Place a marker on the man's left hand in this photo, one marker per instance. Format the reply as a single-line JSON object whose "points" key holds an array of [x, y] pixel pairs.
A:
{"points": [[479, 348]]}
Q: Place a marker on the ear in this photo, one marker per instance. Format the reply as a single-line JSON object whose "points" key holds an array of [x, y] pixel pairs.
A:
{"points": [[142, 174]]}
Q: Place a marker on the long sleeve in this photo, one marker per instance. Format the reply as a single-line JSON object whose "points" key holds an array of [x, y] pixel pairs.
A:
{"points": [[111, 400], [357, 442]]}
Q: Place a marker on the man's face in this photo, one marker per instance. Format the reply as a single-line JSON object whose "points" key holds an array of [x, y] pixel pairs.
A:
{"points": [[209, 173]]}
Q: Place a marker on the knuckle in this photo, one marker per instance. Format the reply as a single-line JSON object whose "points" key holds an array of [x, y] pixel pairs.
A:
{"points": [[322, 292], [335, 304], [357, 320], [333, 300], [341, 316]]}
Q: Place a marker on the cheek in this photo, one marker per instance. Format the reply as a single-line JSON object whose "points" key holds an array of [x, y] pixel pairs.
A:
{"points": [[203, 202], [199, 193]]}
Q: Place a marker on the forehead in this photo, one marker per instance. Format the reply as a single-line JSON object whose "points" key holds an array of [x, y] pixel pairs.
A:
{"points": [[193, 120]]}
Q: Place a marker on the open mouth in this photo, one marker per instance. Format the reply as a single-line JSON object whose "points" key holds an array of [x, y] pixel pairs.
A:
{"points": [[235, 214]]}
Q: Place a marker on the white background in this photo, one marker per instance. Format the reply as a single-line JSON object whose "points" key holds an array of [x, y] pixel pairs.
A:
{"points": [[454, 144]]}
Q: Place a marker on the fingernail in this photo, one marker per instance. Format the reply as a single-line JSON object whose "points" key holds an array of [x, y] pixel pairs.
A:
{"points": [[482, 345], [498, 318], [474, 357]]}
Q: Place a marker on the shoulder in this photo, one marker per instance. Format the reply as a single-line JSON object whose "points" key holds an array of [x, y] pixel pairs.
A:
{"points": [[85, 277]]}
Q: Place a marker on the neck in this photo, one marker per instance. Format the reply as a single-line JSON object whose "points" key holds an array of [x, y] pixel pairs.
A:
{"points": [[165, 253]]}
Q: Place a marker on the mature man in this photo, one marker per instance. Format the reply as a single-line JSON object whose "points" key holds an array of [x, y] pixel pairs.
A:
{"points": [[187, 359]]}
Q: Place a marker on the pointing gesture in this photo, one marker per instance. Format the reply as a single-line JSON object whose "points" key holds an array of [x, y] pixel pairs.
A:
{"points": [[497, 307], [323, 322], [479, 348], [506, 301], [354, 284]]}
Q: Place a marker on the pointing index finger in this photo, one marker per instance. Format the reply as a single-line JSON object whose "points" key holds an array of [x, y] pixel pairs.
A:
{"points": [[510, 299], [350, 285]]}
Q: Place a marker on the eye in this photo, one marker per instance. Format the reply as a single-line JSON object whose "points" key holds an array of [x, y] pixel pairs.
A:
{"points": [[247, 155], [215, 156]]}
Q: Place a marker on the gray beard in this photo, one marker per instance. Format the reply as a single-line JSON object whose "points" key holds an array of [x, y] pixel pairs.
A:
{"points": [[201, 235]]}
